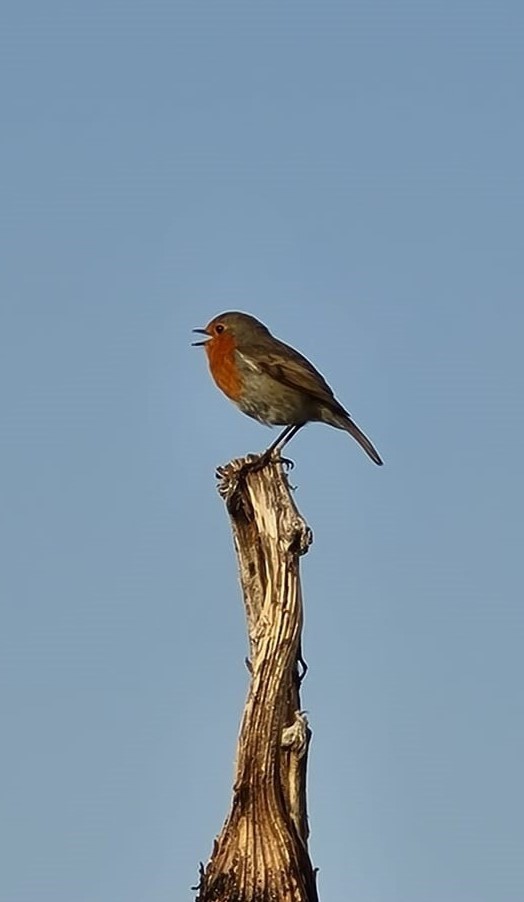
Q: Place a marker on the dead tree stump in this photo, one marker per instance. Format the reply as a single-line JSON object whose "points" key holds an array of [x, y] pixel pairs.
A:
{"points": [[261, 854]]}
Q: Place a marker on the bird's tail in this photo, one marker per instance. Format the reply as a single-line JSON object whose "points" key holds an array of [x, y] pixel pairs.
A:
{"points": [[363, 441], [342, 420]]}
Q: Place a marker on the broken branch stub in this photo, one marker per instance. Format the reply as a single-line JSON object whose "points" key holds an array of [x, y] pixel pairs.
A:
{"points": [[261, 854]]}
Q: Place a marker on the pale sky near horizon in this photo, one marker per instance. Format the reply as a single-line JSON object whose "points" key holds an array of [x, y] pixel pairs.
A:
{"points": [[351, 174]]}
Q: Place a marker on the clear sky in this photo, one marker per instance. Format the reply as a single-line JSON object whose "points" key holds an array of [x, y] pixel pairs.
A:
{"points": [[350, 173]]}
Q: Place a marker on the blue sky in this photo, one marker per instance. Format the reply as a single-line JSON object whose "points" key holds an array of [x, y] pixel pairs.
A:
{"points": [[352, 175]]}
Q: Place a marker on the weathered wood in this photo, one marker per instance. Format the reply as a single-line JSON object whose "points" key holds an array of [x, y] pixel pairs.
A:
{"points": [[261, 854]]}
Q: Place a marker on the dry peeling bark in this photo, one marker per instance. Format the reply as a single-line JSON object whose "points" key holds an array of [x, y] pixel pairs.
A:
{"points": [[261, 854]]}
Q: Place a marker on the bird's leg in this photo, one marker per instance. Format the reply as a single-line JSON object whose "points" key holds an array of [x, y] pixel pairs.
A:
{"points": [[282, 440], [285, 436]]}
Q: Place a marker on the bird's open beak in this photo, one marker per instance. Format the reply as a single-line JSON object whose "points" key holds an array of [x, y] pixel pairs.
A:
{"points": [[196, 344]]}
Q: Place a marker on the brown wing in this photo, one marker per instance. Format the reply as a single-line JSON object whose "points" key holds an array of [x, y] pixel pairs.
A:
{"points": [[287, 366]]}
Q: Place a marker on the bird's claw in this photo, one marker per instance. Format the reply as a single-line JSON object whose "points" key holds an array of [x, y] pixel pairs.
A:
{"points": [[271, 456]]}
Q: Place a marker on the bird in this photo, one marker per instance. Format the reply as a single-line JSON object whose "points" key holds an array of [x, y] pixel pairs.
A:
{"points": [[271, 381]]}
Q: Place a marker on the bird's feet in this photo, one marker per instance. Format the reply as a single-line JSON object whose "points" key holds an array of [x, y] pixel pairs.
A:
{"points": [[271, 456]]}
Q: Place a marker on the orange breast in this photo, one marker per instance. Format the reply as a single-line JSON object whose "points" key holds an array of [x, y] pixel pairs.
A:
{"points": [[221, 358]]}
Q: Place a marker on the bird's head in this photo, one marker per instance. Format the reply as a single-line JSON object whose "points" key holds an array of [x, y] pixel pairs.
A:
{"points": [[233, 328]]}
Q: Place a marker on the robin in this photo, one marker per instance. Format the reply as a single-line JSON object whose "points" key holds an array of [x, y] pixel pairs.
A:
{"points": [[272, 382]]}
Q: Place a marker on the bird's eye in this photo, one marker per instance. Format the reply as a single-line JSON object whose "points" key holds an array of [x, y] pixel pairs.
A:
{"points": [[220, 328]]}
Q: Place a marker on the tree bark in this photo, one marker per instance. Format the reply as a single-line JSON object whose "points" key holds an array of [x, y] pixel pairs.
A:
{"points": [[261, 854]]}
